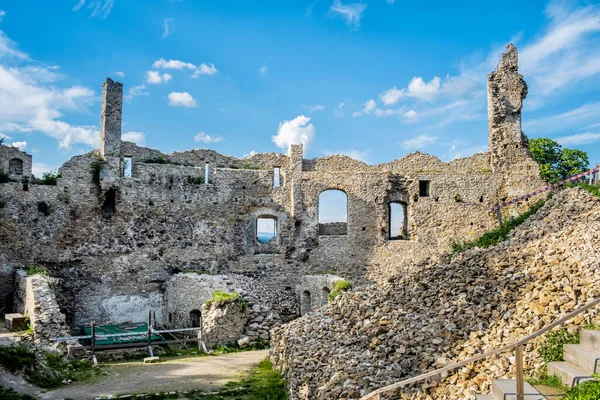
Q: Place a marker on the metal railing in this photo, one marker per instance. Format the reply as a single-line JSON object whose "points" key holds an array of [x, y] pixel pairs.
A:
{"points": [[93, 337], [518, 346]]}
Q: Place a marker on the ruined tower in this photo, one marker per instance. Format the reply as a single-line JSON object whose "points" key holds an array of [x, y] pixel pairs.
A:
{"points": [[110, 118], [506, 92]]}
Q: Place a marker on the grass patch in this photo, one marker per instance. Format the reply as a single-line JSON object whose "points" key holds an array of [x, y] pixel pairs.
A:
{"points": [[220, 297], [500, 234], [544, 380], [588, 390], [552, 348], [96, 169], [264, 384], [595, 190], [339, 287], [46, 370], [9, 394]]}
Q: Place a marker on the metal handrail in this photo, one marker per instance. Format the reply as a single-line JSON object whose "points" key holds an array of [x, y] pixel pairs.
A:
{"points": [[521, 342]]}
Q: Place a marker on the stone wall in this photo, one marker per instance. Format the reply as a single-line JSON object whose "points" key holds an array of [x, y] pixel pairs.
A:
{"points": [[224, 323], [15, 163], [118, 243]]}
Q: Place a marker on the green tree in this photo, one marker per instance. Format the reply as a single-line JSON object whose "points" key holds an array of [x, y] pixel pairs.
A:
{"points": [[557, 163]]}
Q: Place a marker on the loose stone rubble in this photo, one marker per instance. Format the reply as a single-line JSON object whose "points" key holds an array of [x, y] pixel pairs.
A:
{"points": [[443, 313]]}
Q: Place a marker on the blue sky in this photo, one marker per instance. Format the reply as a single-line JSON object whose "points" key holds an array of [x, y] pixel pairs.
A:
{"points": [[375, 79]]}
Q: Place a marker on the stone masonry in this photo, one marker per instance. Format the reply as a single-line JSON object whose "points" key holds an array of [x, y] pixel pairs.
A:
{"points": [[119, 245]]}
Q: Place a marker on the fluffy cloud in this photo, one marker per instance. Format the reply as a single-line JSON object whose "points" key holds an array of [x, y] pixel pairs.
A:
{"points": [[182, 99], [19, 145], [202, 69], [2, 14], [30, 101], [134, 91], [38, 169], [418, 142], [339, 112], [352, 13], [98, 8], [120, 74], [206, 138], [136, 137], [295, 131], [370, 105], [154, 77], [579, 139]]}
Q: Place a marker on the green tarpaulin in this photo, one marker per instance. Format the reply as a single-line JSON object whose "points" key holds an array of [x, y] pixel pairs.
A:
{"points": [[141, 328]]}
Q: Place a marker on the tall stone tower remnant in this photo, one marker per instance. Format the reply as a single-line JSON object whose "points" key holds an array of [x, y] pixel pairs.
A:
{"points": [[506, 92], [110, 119]]}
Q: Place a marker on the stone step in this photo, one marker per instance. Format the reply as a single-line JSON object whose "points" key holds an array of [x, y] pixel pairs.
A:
{"points": [[581, 356], [485, 397], [568, 374], [590, 339], [506, 389]]}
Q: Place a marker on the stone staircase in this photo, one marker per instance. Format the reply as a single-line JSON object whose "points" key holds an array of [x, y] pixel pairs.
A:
{"points": [[580, 362]]}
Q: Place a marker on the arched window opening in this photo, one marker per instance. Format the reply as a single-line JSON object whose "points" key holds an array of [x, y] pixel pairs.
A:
{"points": [[266, 229], [195, 318], [15, 166], [398, 222], [333, 212], [305, 303], [325, 295]]}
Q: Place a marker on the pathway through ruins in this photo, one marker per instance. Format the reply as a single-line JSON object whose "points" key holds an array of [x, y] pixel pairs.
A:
{"points": [[202, 373]]}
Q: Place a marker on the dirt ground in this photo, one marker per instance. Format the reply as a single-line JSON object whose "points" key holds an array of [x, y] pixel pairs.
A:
{"points": [[202, 373]]}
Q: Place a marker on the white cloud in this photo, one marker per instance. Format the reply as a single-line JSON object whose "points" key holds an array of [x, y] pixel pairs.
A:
{"points": [[392, 96], [202, 69], [30, 101], [352, 13], [136, 137], [313, 108], [2, 14], [262, 71], [182, 99], [166, 23], [419, 142], [154, 77], [455, 152], [352, 153], [585, 114], [423, 90], [98, 8], [206, 138], [134, 91], [295, 131], [578, 139], [339, 112], [410, 115], [19, 145], [252, 153], [120, 74], [370, 105]]}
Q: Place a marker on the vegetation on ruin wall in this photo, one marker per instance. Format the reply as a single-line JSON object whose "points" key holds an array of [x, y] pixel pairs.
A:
{"points": [[339, 287], [220, 297], [500, 234], [557, 163], [595, 190], [45, 369], [48, 178]]}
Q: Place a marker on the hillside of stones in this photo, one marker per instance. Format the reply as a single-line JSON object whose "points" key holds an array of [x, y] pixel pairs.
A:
{"points": [[477, 301]]}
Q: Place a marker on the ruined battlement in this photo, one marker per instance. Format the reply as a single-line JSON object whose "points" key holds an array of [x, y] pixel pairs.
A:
{"points": [[123, 221]]}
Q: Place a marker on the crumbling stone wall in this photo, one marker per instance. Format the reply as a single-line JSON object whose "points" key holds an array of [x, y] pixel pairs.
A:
{"points": [[224, 323], [117, 242], [15, 163]]}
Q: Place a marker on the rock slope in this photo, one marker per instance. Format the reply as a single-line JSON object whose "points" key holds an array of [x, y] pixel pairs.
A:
{"points": [[478, 301]]}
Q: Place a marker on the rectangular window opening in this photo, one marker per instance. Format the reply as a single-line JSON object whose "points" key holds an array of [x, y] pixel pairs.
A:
{"points": [[127, 167], [424, 188], [206, 172], [276, 176], [266, 229]]}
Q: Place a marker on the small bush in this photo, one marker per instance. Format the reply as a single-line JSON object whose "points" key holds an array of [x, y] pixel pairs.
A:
{"points": [[497, 235], [44, 208], [198, 180], [220, 297], [339, 287], [34, 269], [160, 160], [48, 178], [552, 348], [587, 390]]}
